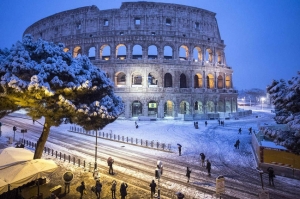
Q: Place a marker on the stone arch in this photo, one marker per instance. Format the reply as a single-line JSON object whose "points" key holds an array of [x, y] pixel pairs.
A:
{"points": [[92, 53], [77, 51], [219, 57], [152, 108], [184, 107], [137, 52], [220, 82], [183, 53], [198, 107], [121, 51], [198, 81], [152, 52], [169, 109], [210, 106], [136, 79], [209, 55], [120, 79], [105, 52], [197, 54], [168, 52], [168, 80], [152, 80], [136, 108], [210, 81], [228, 81], [183, 83]]}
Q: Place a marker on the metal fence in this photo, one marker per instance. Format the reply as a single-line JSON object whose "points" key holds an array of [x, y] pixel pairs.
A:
{"points": [[135, 141]]}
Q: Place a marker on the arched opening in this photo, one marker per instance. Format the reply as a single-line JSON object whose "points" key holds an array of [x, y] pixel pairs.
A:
{"points": [[137, 52], [183, 53], [220, 82], [152, 81], [66, 50], [136, 108], [210, 106], [168, 80], [152, 108], [105, 52], [77, 51], [168, 52], [168, 109], [121, 52], [209, 55], [137, 79], [210, 81], [197, 54], [92, 53], [183, 81], [228, 82], [220, 106], [120, 79], [152, 52], [198, 107], [228, 106], [184, 107], [219, 57], [198, 81]]}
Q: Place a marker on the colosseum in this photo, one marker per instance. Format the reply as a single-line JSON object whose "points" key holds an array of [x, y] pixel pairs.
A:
{"points": [[166, 60]]}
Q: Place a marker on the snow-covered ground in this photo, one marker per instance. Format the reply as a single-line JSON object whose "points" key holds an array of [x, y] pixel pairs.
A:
{"points": [[215, 141]]}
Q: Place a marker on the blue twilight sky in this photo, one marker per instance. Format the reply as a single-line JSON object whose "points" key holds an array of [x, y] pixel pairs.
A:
{"points": [[262, 37]]}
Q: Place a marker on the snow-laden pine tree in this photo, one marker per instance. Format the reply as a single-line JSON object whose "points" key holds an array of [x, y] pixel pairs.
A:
{"points": [[286, 99], [48, 82]]}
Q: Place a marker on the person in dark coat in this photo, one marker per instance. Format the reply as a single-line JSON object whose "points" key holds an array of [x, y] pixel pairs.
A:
{"points": [[188, 173], [180, 195], [202, 159], [271, 176], [250, 130], [205, 123], [179, 149], [208, 166], [237, 144], [152, 189], [240, 130], [98, 188], [113, 189], [123, 190], [110, 162], [81, 189]]}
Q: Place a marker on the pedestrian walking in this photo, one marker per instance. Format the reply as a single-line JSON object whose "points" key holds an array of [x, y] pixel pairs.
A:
{"points": [[202, 159], [271, 176], [250, 130], [82, 189], [152, 188], [240, 130], [237, 144], [110, 162], [179, 149], [188, 173], [113, 189], [208, 166], [180, 195], [219, 122], [205, 123], [98, 188], [123, 190]]}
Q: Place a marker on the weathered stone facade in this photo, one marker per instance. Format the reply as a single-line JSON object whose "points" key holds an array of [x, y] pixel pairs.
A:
{"points": [[166, 60]]}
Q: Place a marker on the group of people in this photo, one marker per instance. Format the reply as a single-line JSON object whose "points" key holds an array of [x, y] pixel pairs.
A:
{"points": [[221, 123], [98, 188]]}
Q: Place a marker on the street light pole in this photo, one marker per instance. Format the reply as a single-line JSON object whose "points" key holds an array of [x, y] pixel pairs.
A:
{"points": [[96, 149]]}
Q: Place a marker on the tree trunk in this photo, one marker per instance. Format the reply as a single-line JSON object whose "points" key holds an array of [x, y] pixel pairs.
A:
{"points": [[42, 141]]}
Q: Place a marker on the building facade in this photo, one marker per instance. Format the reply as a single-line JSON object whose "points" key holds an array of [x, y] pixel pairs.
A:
{"points": [[166, 60]]}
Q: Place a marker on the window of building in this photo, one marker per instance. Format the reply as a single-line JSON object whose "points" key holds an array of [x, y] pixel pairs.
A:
{"points": [[168, 21], [78, 26], [121, 33], [105, 22], [137, 21], [197, 25], [152, 33]]}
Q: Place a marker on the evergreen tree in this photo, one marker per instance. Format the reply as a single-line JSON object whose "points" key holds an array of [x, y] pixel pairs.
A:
{"points": [[40, 77]]}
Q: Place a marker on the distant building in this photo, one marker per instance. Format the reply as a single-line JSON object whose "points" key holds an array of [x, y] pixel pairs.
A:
{"points": [[166, 60]]}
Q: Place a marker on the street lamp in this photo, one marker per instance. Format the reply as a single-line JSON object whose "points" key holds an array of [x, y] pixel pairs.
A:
{"points": [[261, 179], [262, 101]]}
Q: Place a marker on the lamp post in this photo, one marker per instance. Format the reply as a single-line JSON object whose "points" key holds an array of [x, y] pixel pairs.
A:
{"points": [[261, 179], [96, 148]]}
